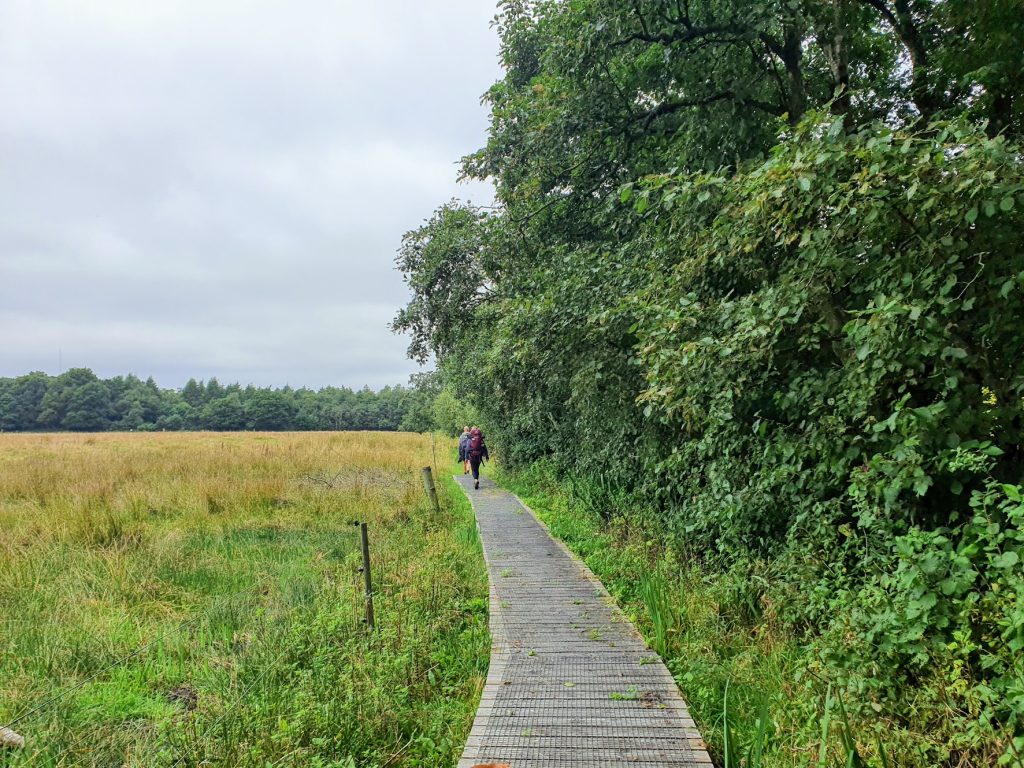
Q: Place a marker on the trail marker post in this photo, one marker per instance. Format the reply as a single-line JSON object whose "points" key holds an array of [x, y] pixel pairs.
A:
{"points": [[428, 484], [364, 540]]}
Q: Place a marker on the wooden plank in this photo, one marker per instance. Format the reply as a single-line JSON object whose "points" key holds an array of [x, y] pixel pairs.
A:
{"points": [[572, 684]]}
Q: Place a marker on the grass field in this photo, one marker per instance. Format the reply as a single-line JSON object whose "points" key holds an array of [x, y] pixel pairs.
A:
{"points": [[195, 599]]}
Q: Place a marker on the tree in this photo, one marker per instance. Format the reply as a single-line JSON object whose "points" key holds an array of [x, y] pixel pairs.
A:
{"points": [[268, 410], [79, 401], [87, 408], [450, 414], [419, 400], [449, 270], [8, 416], [214, 389], [760, 265], [25, 396], [56, 403], [194, 393], [224, 414]]}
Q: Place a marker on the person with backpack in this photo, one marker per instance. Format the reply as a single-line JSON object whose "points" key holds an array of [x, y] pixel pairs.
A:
{"points": [[464, 450], [477, 450]]}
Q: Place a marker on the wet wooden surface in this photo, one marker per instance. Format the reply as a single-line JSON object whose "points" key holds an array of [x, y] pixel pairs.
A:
{"points": [[572, 684]]}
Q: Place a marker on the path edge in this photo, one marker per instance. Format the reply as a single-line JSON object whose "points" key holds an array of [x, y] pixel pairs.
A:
{"points": [[499, 653]]}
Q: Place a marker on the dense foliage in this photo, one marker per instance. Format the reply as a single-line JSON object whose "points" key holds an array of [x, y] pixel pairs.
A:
{"points": [[79, 401], [759, 267]]}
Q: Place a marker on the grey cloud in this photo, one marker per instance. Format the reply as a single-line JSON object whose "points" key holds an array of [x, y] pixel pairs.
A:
{"points": [[219, 188]]}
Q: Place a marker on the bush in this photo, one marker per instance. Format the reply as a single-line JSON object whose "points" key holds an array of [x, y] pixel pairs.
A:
{"points": [[835, 338]]}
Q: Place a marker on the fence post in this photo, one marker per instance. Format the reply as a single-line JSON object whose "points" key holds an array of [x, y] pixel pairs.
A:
{"points": [[11, 740], [428, 484], [364, 539]]}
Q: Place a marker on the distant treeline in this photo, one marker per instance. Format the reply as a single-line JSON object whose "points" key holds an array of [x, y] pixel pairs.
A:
{"points": [[79, 401]]}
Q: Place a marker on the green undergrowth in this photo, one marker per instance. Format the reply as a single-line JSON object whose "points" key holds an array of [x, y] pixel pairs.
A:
{"points": [[758, 690]]}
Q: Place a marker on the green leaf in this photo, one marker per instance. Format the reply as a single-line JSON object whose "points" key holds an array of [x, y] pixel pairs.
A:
{"points": [[1007, 559], [1007, 203], [972, 215], [805, 184], [921, 485]]}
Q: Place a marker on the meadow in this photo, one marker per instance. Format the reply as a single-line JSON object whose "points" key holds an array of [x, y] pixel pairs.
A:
{"points": [[185, 599]]}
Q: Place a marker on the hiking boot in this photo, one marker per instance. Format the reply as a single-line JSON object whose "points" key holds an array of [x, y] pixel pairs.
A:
{"points": [[477, 485]]}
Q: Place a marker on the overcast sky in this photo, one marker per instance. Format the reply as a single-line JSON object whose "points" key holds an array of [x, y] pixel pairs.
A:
{"points": [[218, 187]]}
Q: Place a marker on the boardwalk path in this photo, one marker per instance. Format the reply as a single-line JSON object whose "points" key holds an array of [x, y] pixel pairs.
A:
{"points": [[571, 684]]}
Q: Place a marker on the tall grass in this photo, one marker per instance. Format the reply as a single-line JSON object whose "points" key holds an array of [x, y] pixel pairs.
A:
{"points": [[225, 568], [662, 611], [759, 695]]}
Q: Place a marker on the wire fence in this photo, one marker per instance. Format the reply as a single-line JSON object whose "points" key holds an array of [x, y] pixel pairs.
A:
{"points": [[259, 589], [238, 699]]}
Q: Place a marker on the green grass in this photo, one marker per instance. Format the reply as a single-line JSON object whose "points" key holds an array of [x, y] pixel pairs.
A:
{"points": [[756, 692], [195, 599]]}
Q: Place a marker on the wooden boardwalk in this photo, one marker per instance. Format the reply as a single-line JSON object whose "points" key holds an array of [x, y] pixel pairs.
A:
{"points": [[572, 683]]}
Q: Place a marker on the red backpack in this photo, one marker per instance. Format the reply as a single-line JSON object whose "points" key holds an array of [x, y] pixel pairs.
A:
{"points": [[476, 443]]}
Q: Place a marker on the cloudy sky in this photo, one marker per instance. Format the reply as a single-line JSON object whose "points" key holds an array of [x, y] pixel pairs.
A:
{"points": [[218, 187]]}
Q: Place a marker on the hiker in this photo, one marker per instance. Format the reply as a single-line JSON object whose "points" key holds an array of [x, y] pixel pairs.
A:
{"points": [[477, 451], [464, 450]]}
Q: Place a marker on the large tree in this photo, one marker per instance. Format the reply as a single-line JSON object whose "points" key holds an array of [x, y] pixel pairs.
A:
{"points": [[759, 264]]}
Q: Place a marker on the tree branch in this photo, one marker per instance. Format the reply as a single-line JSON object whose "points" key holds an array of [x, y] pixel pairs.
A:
{"points": [[900, 18], [669, 107], [883, 9], [688, 34]]}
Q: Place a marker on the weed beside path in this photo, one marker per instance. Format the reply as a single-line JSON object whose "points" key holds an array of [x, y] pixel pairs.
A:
{"points": [[228, 565], [753, 688]]}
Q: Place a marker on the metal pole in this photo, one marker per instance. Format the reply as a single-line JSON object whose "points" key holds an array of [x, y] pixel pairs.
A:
{"points": [[365, 541], [428, 484]]}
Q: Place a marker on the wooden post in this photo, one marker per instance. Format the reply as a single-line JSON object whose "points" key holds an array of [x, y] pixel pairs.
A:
{"points": [[11, 740], [428, 484], [364, 539]]}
